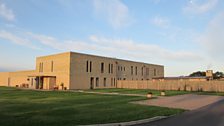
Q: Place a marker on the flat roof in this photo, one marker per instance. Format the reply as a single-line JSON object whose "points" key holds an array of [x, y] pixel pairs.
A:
{"points": [[103, 57]]}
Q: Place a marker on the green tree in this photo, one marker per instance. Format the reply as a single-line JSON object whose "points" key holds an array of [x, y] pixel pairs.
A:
{"points": [[218, 75], [198, 74]]}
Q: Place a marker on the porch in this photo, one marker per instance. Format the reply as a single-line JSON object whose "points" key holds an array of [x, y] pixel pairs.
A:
{"points": [[42, 82]]}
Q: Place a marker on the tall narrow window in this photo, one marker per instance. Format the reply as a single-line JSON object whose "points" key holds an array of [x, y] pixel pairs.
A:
{"points": [[147, 71], [114, 82], [131, 70], [52, 66], [124, 68], [91, 83], [105, 82], [121, 68], [142, 71], [97, 82], [102, 67], [118, 68], [111, 68], [154, 72], [40, 67], [136, 70], [90, 68], [87, 66]]}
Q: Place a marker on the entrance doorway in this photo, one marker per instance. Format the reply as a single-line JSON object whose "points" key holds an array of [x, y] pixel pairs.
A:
{"points": [[39, 82]]}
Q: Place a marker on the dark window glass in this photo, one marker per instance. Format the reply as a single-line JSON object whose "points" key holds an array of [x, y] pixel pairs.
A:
{"points": [[90, 68], [87, 66], [102, 67]]}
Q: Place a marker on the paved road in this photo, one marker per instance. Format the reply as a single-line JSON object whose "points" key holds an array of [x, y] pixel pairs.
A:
{"points": [[211, 115]]}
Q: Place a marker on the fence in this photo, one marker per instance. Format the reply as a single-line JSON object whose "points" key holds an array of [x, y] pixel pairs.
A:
{"points": [[217, 86]]}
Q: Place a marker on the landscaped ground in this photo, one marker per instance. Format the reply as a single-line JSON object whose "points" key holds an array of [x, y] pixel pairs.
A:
{"points": [[44, 108], [212, 93], [139, 91]]}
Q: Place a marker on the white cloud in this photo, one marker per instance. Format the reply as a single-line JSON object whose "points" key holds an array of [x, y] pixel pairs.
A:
{"points": [[198, 8], [6, 13], [160, 22], [112, 47], [16, 39], [125, 48], [115, 12], [212, 39], [130, 48]]}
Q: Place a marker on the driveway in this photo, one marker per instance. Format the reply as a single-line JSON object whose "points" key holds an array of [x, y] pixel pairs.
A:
{"points": [[211, 115], [187, 101]]}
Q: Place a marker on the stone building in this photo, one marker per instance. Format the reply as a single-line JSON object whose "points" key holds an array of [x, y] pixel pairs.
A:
{"points": [[72, 70]]}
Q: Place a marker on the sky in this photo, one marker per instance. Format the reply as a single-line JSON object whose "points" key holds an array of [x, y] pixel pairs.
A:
{"points": [[183, 35]]}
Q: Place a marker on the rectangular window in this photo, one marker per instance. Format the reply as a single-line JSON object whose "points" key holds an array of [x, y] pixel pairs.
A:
{"points": [[102, 67], [104, 82], [87, 66], [91, 83], [142, 71], [111, 68], [147, 71], [97, 82], [131, 70], [154, 72], [90, 68], [136, 70], [42, 67], [124, 68], [118, 68], [114, 82], [121, 68], [52, 66]]}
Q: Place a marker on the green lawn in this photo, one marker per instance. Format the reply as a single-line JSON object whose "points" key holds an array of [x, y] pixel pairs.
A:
{"points": [[44, 108], [211, 93], [139, 91]]}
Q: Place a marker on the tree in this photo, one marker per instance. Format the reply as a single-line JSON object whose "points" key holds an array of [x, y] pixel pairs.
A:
{"points": [[218, 75], [198, 74]]}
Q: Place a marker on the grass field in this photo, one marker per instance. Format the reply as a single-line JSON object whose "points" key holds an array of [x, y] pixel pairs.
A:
{"points": [[211, 93], [139, 91], [43, 108]]}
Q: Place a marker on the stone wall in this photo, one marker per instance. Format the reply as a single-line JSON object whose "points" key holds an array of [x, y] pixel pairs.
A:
{"points": [[217, 86]]}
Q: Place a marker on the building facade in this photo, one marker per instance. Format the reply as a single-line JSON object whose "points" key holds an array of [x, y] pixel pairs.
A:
{"points": [[72, 70]]}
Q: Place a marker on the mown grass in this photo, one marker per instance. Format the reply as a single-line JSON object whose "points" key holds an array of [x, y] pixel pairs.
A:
{"points": [[139, 91], [43, 108], [211, 93]]}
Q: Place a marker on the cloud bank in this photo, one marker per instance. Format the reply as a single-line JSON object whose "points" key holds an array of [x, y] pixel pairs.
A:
{"points": [[114, 11], [194, 7], [6, 13]]}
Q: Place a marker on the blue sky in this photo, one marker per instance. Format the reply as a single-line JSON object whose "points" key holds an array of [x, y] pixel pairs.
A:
{"points": [[182, 35]]}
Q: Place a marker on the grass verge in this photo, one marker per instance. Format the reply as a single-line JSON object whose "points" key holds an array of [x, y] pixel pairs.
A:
{"points": [[25, 108], [139, 91]]}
